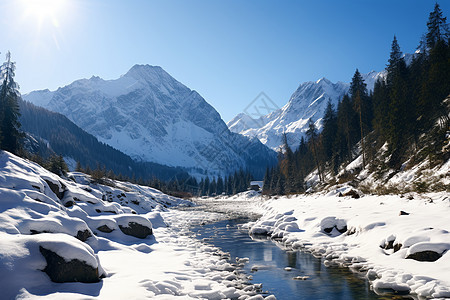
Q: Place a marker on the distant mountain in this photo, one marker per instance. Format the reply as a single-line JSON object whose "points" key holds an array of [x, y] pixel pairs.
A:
{"points": [[152, 117], [308, 101], [54, 133]]}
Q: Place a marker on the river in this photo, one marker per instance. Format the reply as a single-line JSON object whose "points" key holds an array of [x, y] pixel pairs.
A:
{"points": [[275, 267]]}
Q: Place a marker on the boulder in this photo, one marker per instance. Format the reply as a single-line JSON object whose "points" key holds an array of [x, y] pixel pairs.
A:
{"points": [[60, 270], [342, 229], [55, 189], [352, 193], [105, 228], [427, 255], [83, 235], [397, 247], [136, 230], [69, 203]]}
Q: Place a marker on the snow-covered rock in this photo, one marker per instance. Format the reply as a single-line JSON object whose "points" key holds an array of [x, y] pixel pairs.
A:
{"points": [[397, 253], [41, 245]]}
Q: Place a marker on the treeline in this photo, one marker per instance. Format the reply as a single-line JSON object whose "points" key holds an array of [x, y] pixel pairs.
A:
{"points": [[102, 161], [235, 183], [408, 111]]}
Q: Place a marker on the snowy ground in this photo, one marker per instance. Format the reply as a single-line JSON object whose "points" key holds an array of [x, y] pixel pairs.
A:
{"points": [[369, 234], [95, 225]]}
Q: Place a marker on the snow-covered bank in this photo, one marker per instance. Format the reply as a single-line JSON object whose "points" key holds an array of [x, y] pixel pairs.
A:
{"points": [[400, 243], [115, 241]]}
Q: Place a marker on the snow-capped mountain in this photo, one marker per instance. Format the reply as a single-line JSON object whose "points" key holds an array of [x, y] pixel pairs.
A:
{"points": [[150, 116], [308, 101]]}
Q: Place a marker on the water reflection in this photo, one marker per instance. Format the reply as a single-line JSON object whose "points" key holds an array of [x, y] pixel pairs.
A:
{"points": [[270, 262]]}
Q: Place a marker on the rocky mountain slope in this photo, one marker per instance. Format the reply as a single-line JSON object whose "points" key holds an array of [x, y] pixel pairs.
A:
{"points": [[308, 101], [150, 116]]}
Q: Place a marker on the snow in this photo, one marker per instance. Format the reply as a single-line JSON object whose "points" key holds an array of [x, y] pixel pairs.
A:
{"points": [[368, 235], [169, 264], [69, 248], [150, 116], [308, 101], [125, 219], [370, 223], [424, 246]]}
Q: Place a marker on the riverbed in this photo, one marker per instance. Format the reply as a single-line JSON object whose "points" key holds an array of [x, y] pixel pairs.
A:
{"points": [[284, 273]]}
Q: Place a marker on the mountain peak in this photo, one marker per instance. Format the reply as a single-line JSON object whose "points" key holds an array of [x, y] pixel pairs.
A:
{"points": [[323, 80], [147, 72]]}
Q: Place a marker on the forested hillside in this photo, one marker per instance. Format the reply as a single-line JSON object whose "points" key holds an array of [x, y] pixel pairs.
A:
{"points": [[404, 121], [67, 139]]}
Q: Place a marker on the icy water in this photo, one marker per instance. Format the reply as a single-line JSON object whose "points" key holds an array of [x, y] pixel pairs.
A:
{"points": [[271, 261]]}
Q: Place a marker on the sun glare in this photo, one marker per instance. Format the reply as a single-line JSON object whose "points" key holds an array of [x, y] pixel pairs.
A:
{"points": [[44, 10]]}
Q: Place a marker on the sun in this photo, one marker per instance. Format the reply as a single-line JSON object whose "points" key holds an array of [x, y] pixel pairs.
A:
{"points": [[44, 10]]}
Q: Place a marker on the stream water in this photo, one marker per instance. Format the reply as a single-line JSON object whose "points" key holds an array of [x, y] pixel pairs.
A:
{"points": [[267, 263]]}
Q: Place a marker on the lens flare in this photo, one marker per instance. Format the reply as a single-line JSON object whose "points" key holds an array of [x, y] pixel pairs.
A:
{"points": [[44, 10]]}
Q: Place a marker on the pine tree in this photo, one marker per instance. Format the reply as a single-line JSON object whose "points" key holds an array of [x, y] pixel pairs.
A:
{"points": [[437, 28], [206, 184], [9, 108], [345, 120], [359, 108], [399, 108], [219, 186], [381, 108], [213, 188], [280, 186], [312, 135], [201, 187], [394, 61], [329, 131], [274, 179], [266, 182], [57, 165], [78, 167]]}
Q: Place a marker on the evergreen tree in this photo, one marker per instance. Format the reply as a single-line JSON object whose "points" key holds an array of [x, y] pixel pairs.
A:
{"points": [[438, 30], [78, 167], [213, 188], [346, 128], [9, 108], [312, 135], [381, 109], [399, 106], [394, 60], [206, 184], [358, 85], [266, 182], [329, 131], [57, 165], [201, 187], [359, 108], [219, 187], [280, 186], [274, 179]]}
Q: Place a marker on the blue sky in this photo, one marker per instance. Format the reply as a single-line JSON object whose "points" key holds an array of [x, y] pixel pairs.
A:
{"points": [[229, 51]]}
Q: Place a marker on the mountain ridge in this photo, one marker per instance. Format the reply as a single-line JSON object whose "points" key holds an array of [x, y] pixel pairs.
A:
{"points": [[149, 115], [308, 101]]}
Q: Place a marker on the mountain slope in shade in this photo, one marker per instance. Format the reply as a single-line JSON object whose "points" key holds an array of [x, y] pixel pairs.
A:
{"points": [[308, 101], [150, 116], [54, 132]]}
